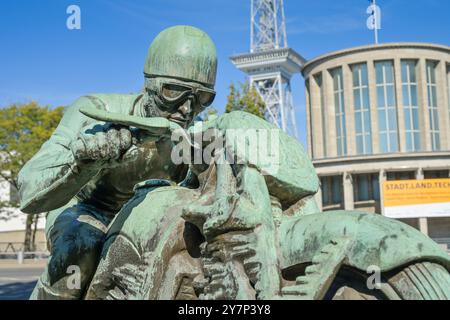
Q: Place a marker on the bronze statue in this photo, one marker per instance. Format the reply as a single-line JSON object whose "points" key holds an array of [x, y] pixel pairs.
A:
{"points": [[141, 226], [87, 170]]}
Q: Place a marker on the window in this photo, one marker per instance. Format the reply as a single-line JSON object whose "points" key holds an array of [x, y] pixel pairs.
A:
{"points": [[341, 132], [432, 105], [410, 105], [362, 109], [448, 88], [405, 175], [439, 174], [323, 112], [366, 187], [332, 191], [386, 107], [308, 92]]}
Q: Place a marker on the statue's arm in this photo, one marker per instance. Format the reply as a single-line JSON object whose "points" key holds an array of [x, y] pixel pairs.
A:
{"points": [[53, 177]]}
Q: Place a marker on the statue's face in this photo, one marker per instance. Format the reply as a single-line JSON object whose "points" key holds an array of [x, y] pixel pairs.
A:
{"points": [[178, 100]]}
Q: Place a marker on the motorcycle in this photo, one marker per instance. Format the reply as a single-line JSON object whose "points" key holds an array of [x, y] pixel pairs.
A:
{"points": [[238, 233]]}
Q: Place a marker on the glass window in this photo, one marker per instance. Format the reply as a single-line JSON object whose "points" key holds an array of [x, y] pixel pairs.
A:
{"points": [[338, 190], [448, 87], [387, 107], [376, 187], [308, 93], [319, 82], [326, 193], [405, 76], [410, 105], [404, 175], [390, 97], [362, 188], [389, 72], [362, 109], [339, 106], [367, 187], [439, 174], [332, 191], [432, 105]]}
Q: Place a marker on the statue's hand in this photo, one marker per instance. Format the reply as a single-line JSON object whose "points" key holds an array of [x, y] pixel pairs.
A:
{"points": [[107, 145]]}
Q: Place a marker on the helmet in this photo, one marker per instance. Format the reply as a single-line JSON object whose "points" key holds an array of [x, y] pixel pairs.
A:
{"points": [[183, 52]]}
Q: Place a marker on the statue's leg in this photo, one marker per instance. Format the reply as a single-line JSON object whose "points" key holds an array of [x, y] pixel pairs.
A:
{"points": [[75, 237]]}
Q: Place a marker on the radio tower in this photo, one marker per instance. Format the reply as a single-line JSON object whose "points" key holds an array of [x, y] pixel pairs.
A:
{"points": [[271, 64]]}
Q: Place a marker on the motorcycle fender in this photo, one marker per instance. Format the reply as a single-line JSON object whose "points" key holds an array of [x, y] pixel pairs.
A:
{"points": [[375, 241]]}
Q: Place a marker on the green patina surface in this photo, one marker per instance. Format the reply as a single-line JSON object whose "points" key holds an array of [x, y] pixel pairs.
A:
{"points": [[377, 241], [184, 52], [230, 237]]}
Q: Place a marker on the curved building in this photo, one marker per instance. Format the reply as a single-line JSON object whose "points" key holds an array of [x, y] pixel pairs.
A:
{"points": [[378, 113]]}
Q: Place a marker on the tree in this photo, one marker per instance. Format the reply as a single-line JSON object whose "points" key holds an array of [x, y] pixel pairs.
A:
{"points": [[246, 98], [23, 129], [210, 113], [207, 114]]}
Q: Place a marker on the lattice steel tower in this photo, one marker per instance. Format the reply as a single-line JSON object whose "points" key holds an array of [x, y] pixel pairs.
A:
{"points": [[271, 64]]}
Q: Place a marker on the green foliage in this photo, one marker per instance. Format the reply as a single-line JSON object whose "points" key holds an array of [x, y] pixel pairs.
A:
{"points": [[211, 111], [210, 114], [23, 129], [245, 98]]}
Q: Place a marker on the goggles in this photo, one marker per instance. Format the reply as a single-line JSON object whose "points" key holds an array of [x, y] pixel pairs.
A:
{"points": [[172, 93]]}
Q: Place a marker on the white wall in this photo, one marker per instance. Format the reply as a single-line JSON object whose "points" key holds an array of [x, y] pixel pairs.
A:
{"points": [[4, 190], [12, 219]]}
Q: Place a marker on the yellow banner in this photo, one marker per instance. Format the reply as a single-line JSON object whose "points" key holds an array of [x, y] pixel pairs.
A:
{"points": [[416, 192]]}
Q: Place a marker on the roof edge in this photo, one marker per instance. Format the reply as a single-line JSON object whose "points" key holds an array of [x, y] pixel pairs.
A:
{"points": [[365, 48]]}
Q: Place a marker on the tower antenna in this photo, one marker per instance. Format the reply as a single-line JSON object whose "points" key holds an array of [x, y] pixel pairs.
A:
{"points": [[271, 64]]}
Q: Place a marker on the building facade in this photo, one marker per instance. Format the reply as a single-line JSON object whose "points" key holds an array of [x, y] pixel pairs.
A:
{"points": [[378, 113]]}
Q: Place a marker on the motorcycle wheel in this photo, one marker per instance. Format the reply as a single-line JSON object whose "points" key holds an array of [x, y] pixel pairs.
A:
{"points": [[419, 281]]}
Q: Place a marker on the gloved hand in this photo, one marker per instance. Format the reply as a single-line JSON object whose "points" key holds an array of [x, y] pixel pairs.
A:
{"points": [[111, 143]]}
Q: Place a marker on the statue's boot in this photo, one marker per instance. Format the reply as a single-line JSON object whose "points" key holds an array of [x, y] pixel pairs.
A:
{"points": [[75, 238]]}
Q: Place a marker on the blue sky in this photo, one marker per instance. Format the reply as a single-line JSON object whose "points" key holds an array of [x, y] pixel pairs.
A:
{"points": [[40, 59]]}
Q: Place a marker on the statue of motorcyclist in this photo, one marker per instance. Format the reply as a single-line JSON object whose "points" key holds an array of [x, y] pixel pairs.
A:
{"points": [[261, 236], [87, 170]]}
